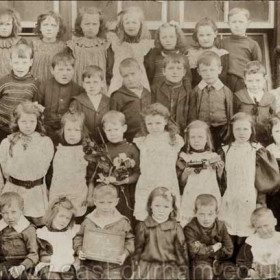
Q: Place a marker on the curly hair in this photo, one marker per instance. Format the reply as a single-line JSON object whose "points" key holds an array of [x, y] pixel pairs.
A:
{"points": [[16, 20], [181, 40], [143, 33], [56, 17], [78, 32], [159, 109]]}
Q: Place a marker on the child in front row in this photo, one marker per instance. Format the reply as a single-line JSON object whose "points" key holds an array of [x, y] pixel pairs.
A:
{"points": [[208, 241], [172, 91], [211, 100], [160, 246], [131, 98], [259, 257], [105, 218], [18, 244]]}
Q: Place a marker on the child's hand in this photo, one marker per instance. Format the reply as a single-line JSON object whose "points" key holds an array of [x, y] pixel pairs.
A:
{"points": [[121, 258], [16, 271], [121, 182], [40, 266], [220, 165], [187, 171], [217, 246], [82, 255]]}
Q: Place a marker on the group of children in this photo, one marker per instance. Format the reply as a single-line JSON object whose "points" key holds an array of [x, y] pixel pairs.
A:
{"points": [[114, 135]]}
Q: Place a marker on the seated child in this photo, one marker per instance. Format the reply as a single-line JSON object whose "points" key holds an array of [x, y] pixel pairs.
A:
{"points": [[57, 92], [132, 97], [172, 92], [259, 257], [92, 101], [107, 219], [241, 48], [211, 100], [18, 245], [255, 100], [18, 86], [208, 241]]}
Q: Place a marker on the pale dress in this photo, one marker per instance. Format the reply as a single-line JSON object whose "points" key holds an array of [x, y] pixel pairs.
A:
{"points": [[88, 52], [62, 245], [43, 55], [239, 200], [28, 164], [69, 176], [158, 169], [203, 183], [129, 50]]}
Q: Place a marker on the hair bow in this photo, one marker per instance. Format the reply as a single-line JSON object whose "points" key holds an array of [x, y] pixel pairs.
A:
{"points": [[39, 107]]}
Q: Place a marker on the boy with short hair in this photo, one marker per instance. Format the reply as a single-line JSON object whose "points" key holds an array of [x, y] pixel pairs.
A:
{"points": [[208, 241], [105, 218], [172, 92], [18, 243], [241, 48], [211, 100], [256, 100], [132, 97], [18, 86], [56, 93]]}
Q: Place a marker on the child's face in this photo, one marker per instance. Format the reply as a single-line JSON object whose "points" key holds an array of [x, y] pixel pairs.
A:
{"points": [[62, 219], [93, 85], [242, 131], [72, 132], [197, 138], [131, 24], [131, 77], [106, 205], [174, 72], [206, 215], [168, 38], [206, 36], [63, 72], [255, 82], [11, 213], [265, 226], [20, 65], [155, 124], [90, 25], [27, 123], [161, 208], [238, 24], [114, 131], [6, 26], [210, 73], [49, 29], [276, 133]]}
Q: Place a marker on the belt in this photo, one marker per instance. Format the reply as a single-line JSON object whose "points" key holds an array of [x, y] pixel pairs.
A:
{"points": [[26, 184]]}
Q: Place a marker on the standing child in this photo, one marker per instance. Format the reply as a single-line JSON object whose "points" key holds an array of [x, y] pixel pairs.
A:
{"points": [[211, 100], [18, 245], [169, 39], [104, 219], [58, 233], [202, 179], [25, 157], [241, 48], [92, 101], [160, 246], [243, 160], [131, 97], [69, 165], [134, 42], [89, 46], [50, 28], [255, 100], [205, 35], [159, 148], [9, 29], [208, 241]]}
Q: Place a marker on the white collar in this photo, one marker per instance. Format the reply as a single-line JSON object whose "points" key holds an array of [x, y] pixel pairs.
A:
{"points": [[258, 96], [22, 224], [217, 85]]}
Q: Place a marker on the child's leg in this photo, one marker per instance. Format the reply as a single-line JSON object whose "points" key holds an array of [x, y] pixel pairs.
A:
{"points": [[112, 271], [90, 270], [237, 244], [202, 270], [46, 274]]}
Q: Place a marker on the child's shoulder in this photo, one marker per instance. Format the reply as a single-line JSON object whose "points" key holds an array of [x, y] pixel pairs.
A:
{"points": [[7, 43]]}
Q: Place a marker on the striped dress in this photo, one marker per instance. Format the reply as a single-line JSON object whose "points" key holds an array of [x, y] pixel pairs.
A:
{"points": [[13, 91]]}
